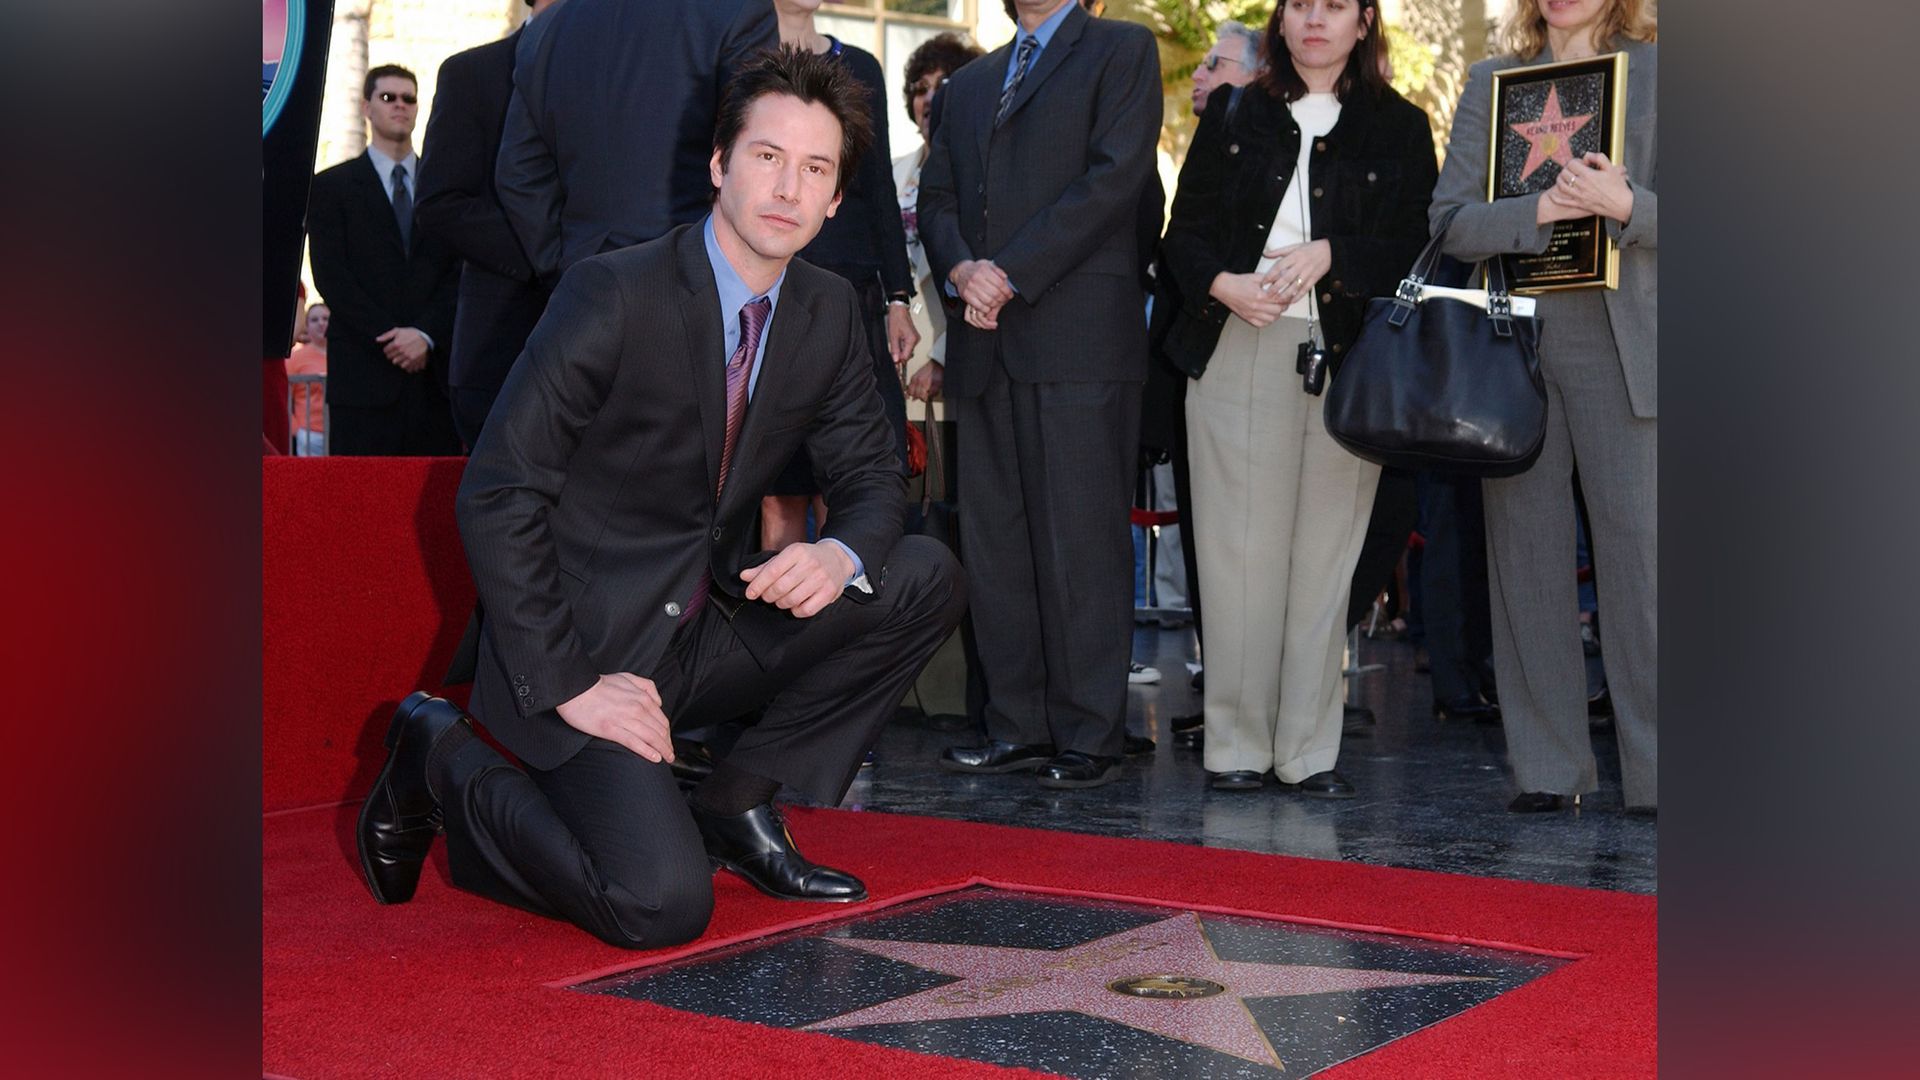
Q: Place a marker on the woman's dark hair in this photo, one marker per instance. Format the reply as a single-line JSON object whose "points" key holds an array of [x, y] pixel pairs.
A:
{"points": [[1362, 76], [812, 79], [948, 53]]}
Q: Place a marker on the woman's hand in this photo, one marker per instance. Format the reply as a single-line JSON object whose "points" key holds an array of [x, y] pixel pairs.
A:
{"points": [[1244, 297], [1595, 185], [1299, 267]]}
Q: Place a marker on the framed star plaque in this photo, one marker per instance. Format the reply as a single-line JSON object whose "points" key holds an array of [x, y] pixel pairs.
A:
{"points": [[1544, 116]]}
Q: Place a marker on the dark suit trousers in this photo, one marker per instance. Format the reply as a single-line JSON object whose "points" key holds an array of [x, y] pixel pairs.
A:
{"points": [[1046, 475], [420, 424], [1453, 584], [1396, 510], [605, 840]]}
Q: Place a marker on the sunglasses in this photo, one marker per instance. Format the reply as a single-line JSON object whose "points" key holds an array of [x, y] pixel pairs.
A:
{"points": [[387, 97], [1212, 63]]}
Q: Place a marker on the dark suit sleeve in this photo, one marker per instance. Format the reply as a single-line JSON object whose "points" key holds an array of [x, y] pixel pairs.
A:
{"points": [[456, 201], [442, 301], [1120, 147], [852, 448], [1192, 248], [938, 209], [515, 476], [1372, 265], [528, 181], [333, 275]]}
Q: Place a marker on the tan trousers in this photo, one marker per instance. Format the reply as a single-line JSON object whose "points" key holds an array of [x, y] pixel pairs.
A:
{"points": [[1280, 511]]}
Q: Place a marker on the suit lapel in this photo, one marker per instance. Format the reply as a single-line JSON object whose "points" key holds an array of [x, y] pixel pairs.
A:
{"points": [[379, 206], [1050, 57], [791, 321], [699, 303], [982, 122]]}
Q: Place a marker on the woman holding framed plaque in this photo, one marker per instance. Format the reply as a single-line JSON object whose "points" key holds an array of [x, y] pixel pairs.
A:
{"points": [[1551, 166], [1293, 208]]}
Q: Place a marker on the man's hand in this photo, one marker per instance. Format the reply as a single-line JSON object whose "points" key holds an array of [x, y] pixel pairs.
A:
{"points": [[901, 334], [406, 347], [625, 709], [925, 384], [981, 285], [803, 578]]}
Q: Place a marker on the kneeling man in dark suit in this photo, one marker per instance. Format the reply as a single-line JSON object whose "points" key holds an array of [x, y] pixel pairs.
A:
{"points": [[609, 514]]}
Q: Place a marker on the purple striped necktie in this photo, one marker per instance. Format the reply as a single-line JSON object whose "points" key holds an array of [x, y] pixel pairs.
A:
{"points": [[753, 319]]}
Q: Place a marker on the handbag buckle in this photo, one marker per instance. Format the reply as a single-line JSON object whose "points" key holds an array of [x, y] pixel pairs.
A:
{"points": [[1409, 290], [1499, 305]]}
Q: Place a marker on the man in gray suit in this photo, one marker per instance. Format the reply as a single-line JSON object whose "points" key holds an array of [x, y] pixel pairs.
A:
{"points": [[612, 115], [1028, 207]]}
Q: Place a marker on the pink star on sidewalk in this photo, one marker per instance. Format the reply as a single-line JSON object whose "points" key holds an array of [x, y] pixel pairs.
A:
{"points": [[1551, 136], [1003, 981]]}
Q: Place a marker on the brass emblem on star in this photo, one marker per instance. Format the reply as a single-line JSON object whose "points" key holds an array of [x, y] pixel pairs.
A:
{"points": [[1166, 987]]}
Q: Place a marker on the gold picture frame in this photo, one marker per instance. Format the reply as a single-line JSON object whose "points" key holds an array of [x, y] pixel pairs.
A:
{"points": [[1543, 116]]}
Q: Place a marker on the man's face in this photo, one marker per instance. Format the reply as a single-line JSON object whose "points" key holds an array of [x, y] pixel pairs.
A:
{"points": [[393, 108], [781, 182], [1218, 69]]}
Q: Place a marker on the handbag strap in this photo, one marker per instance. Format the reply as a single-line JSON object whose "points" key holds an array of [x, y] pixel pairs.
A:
{"points": [[1407, 296]]}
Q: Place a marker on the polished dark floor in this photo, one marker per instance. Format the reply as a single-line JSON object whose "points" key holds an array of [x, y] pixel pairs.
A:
{"points": [[1090, 988], [1432, 795]]}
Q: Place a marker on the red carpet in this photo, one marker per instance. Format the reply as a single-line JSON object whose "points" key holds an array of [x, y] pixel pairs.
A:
{"points": [[452, 985]]}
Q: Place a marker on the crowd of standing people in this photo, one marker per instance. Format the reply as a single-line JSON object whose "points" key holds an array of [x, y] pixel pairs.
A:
{"points": [[498, 293]]}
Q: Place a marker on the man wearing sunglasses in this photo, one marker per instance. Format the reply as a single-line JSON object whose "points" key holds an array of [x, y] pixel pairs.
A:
{"points": [[1234, 60], [392, 292]]}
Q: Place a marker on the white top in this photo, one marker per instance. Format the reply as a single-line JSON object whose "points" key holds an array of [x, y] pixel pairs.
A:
{"points": [[1316, 114]]}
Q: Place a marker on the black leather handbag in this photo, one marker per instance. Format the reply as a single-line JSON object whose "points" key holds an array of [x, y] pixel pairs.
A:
{"points": [[1443, 379]]}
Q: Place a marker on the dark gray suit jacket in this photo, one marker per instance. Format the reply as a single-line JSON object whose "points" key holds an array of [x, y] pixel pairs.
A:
{"points": [[1484, 229], [1053, 197], [587, 508], [611, 125]]}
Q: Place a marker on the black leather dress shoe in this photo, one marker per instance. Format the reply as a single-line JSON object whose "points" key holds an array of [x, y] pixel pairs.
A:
{"points": [[995, 757], [1540, 802], [1467, 707], [401, 817], [1181, 725], [757, 846], [1137, 746], [1357, 721], [1236, 780], [1074, 769], [1322, 785]]}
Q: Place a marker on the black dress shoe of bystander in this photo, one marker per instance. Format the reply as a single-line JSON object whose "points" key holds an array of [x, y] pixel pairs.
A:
{"points": [[1074, 769], [995, 757], [1321, 785], [757, 846], [1541, 802], [1236, 780]]}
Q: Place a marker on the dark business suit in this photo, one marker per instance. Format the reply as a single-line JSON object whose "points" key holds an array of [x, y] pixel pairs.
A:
{"points": [[499, 302], [611, 124], [1048, 405], [588, 514], [373, 283]]}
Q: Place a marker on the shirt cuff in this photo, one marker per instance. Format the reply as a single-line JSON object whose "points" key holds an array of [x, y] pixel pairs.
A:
{"points": [[859, 578], [431, 347]]}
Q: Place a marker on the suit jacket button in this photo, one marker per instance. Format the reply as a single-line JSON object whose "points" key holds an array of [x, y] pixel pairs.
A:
{"points": [[1317, 192], [1326, 298], [1336, 346], [524, 692], [1234, 148], [719, 532], [1320, 144], [672, 609]]}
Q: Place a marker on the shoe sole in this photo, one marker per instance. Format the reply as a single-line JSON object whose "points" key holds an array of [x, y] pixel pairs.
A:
{"points": [[1018, 766], [722, 864], [1332, 796], [400, 717], [1107, 777], [1240, 786]]}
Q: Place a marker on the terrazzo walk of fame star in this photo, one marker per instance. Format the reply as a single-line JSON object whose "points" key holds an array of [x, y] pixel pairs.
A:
{"points": [[1088, 988]]}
